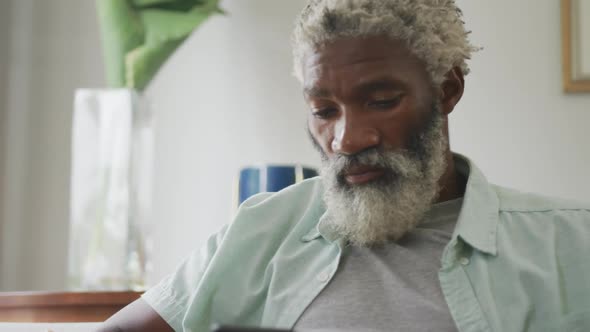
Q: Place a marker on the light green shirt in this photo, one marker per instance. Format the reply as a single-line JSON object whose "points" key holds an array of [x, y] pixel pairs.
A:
{"points": [[515, 262]]}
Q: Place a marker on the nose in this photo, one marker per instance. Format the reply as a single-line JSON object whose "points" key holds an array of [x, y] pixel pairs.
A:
{"points": [[352, 135]]}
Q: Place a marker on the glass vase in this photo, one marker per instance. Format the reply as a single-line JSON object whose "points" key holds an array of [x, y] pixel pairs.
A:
{"points": [[111, 190]]}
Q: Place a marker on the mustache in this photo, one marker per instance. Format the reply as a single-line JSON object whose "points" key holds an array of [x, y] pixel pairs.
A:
{"points": [[396, 164], [373, 157]]}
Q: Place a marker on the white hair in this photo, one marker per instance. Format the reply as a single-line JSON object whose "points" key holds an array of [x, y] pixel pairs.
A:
{"points": [[433, 30]]}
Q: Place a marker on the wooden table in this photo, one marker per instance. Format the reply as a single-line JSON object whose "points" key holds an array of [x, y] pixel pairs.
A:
{"points": [[62, 307]]}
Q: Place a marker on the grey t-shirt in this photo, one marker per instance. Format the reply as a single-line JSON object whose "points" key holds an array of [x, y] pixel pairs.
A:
{"points": [[390, 288]]}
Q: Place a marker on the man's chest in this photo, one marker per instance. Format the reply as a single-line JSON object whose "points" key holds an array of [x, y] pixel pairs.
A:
{"points": [[393, 288]]}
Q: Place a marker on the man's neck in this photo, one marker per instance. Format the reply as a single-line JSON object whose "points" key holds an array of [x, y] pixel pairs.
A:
{"points": [[452, 183]]}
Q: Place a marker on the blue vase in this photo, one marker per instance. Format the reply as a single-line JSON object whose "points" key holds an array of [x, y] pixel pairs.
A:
{"points": [[254, 180]]}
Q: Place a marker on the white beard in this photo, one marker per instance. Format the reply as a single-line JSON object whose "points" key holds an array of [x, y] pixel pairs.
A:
{"points": [[386, 209]]}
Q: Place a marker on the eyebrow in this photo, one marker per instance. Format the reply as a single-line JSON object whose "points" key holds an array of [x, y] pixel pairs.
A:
{"points": [[315, 92], [364, 88], [379, 85]]}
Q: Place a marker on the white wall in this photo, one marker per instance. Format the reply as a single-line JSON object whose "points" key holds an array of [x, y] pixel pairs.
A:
{"points": [[15, 148], [226, 99], [4, 54], [54, 49], [514, 119]]}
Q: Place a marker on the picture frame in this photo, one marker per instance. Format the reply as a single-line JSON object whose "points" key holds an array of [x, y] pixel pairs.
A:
{"points": [[575, 25]]}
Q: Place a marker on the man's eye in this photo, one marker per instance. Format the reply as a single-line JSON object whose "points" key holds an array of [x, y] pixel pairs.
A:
{"points": [[386, 103], [324, 113]]}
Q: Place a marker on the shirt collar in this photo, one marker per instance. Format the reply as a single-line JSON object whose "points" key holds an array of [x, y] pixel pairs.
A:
{"points": [[478, 219], [319, 229]]}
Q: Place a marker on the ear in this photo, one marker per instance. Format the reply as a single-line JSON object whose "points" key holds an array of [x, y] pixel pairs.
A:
{"points": [[452, 90]]}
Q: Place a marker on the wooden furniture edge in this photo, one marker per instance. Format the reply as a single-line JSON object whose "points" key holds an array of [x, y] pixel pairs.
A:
{"points": [[62, 299]]}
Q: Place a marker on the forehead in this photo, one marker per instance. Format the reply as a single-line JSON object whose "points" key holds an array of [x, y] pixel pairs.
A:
{"points": [[355, 61]]}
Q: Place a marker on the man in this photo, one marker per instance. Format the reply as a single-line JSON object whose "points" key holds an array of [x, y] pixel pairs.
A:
{"points": [[399, 233]]}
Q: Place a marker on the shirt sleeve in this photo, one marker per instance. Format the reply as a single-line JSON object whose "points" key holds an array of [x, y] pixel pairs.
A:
{"points": [[170, 297]]}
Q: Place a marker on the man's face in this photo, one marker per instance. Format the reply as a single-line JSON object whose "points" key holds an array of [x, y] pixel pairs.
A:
{"points": [[364, 93], [379, 129]]}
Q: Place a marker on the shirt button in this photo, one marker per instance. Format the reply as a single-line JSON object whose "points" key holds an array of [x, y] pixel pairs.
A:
{"points": [[324, 276], [464, 261]]}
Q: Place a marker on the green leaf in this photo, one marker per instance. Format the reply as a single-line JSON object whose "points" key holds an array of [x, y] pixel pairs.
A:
{"points": [[144, 62], [121, 31], [139, 35]]}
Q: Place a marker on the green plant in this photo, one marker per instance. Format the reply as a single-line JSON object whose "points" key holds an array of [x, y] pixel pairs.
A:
{"points": [[138, 36]]}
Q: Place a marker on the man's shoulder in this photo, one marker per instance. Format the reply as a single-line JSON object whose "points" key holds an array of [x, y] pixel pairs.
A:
{"points": [[512, 200], [528, 220]]}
